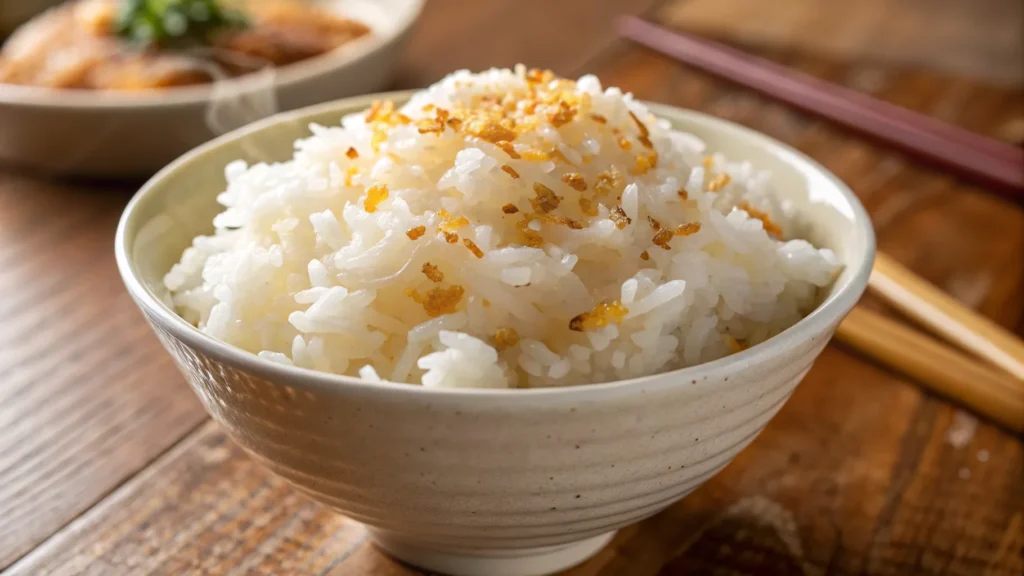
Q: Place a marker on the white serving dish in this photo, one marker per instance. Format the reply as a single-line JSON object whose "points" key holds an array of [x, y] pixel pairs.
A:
{"points": [[118, 134]]}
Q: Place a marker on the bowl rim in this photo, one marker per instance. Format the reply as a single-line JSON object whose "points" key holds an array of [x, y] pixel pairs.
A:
{"points": [[818, 322], [286, 76]]}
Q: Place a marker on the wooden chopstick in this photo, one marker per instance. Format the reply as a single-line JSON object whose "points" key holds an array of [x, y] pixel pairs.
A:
{"points": [[983, 159], [940, 368], [947, 317], [911, 120]]}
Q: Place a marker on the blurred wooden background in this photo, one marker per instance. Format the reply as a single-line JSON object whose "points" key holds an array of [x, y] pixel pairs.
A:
{"points": [[108, 465]]}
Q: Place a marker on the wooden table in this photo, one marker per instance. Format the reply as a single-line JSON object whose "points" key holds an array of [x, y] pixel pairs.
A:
{"points": [[108, 464]]}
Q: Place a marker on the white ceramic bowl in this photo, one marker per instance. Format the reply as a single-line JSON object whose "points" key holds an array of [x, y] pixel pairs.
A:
{"points": [[488, 482], [121, 134]]}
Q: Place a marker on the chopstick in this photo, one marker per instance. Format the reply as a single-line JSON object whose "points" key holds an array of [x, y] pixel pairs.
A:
{"points": [[990, 392], [971, 155], [942, 313], [937, 366]]}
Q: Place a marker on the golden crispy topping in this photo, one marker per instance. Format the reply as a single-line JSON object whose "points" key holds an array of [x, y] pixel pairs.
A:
{"points": [[687, 229], [618, 215], [451, 237], [654, 223], [349, 174], [718, 182], [645, 256], [603, 314], [770, 226], [624, 143], [509, 208], [379, 136], [491, 131], [587, 207], [416, 233], [643, 166], [609, 180], [562, 115], [563, 221], [734, 344], [379, 111], [473, 248], [598, 118], [662, 239], [505, 338], [575, 181], [450, 223], [433, 272], [510, 171], [507, 148], [383, 114], [351, 153], [683, 195], [645, 141], [534, 155], [436, 124], [428, 107], [531, 237], [438, 301], [538, 76], [546, 200], [639, 125], [374, 196]]}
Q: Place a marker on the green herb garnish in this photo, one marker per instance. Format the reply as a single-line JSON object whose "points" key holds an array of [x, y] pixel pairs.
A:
{"points": [[175, 23]]}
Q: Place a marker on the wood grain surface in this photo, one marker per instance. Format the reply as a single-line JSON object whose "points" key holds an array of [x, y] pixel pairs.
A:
{"points": [[107, 468], [87, 396], [986, 42]]}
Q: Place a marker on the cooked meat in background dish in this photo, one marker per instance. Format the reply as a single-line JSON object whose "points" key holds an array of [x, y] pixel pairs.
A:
{"points": [[89, 45]]}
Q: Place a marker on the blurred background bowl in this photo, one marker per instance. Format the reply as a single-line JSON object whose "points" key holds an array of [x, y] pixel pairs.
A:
{"points": [[121, 134], [14, 13], [469, 481]]}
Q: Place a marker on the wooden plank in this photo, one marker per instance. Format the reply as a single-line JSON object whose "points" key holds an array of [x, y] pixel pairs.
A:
{"points": [[88, 396], [858, 473], [204, 507], [561, 35], [972, 38]]}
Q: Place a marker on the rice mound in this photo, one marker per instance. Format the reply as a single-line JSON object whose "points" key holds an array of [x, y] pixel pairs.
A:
{"points": [[506, 229]]}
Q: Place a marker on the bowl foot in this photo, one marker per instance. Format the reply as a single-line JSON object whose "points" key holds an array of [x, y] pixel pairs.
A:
{"points": [[522, 562]]}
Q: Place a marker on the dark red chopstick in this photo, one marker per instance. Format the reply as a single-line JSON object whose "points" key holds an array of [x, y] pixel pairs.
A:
{"points": [[971, 155]]}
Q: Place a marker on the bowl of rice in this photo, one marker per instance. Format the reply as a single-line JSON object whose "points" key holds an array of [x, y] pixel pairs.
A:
{"points": [[500, 318]]}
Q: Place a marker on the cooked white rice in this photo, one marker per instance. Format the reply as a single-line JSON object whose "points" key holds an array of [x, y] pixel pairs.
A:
{"points": [[304, 269]]}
